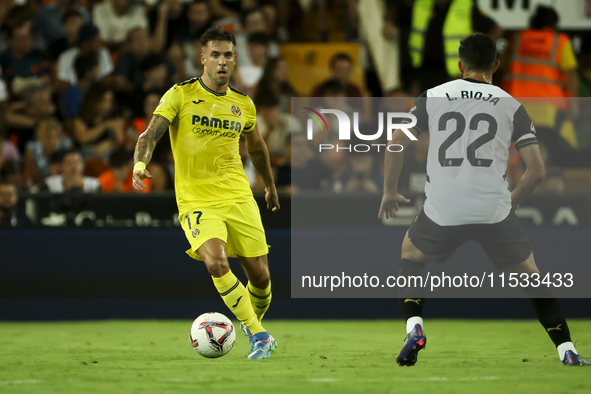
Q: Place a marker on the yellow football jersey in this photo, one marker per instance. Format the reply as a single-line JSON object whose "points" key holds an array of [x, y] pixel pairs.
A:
{"points": [[205, 128]]}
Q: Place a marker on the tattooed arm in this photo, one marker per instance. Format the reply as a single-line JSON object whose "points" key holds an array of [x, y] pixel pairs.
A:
{"points": [[259, 155], [144, 149]]}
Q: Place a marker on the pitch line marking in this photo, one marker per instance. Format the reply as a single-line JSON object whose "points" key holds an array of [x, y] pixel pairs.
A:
{"points": [[24, 381]]}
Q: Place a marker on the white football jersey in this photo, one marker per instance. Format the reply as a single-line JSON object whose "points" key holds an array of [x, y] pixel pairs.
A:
{"points": [[471, 125]]}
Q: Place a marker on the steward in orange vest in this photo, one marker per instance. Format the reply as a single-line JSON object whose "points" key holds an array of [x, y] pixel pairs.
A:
{"points": [[543, 68], [542, 61]]}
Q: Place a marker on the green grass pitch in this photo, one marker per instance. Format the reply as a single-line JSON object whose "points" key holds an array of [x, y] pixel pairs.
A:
{"points": [[462, 356]]}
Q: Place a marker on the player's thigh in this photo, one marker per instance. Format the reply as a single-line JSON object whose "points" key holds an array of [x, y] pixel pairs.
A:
{"points": [[427, 241], [201, 225], [246, 235], [506, 244], [257, 270], [411, 252]]}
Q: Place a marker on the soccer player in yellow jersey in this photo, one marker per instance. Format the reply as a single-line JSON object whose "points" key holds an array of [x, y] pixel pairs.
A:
{"points": [[217, 211]]}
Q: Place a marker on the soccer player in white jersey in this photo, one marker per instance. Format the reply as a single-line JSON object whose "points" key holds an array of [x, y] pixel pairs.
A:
{"points": [[472, 124]]}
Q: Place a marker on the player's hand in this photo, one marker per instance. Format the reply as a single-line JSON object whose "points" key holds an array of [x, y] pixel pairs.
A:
{"points": [[272, 199], [137, 179], [390, 204]]}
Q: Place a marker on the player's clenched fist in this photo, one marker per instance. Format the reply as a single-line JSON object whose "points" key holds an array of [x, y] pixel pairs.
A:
{"points": [[272, 199], [140, 173], [390, 204]]}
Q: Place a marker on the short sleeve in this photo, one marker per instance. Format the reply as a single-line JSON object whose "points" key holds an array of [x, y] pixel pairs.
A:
{"points": [[170, 104], [250, 118], [524, 132], [420, 111]]}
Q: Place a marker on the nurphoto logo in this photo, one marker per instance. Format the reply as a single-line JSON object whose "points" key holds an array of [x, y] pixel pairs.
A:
{"points": [[393, 120]]}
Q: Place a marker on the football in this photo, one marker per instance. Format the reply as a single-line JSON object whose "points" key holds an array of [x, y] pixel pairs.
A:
{"points": [[212, 335]]}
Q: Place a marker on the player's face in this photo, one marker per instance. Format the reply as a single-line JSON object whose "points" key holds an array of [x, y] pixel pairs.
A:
{"points": [[218, 61]]}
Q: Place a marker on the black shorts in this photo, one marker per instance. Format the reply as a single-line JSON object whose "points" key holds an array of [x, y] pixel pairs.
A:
{"points": [[504, 242]]}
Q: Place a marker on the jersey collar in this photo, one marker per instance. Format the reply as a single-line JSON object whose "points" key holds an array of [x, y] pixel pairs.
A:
{"points": [[211, 91], [475, 81]]}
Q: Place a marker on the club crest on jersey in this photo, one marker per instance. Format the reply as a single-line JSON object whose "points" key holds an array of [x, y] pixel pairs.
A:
{"points": [[196, 233], [236, 110]]}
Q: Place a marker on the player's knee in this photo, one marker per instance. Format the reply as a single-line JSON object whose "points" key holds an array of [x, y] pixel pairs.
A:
{"points": [[217, 265], [261, 278]]}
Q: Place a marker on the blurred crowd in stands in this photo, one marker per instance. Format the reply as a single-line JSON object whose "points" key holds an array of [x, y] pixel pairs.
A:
{"points": [[81, 78]]}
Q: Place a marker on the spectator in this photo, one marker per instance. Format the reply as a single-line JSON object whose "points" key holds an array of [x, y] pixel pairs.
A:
{"points": [[199, 20], [128, 71], [116, 18], [274, 126], [193, 66], [275, 80], [22, 116], [543, 65], [3, 99], [12, 172], [363, 177], [335, 98], [338, 162], [258, 44], [10, 215], [8, 151], [118, 178], [168, 17], [181, 25], [434, 33], [128, 74], [97, 129], [253, 20], [88, 42], [72, 22], [72, 178], [50, 139], [156, 76], [50, 22], [307, 171], [22, 66], [55, 163], [230, 9], [341, 66], [283, 170], [87, 71]]}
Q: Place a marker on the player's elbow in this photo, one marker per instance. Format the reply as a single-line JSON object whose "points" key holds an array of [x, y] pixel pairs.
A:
{"points": [[538, 173], [402, 138]]}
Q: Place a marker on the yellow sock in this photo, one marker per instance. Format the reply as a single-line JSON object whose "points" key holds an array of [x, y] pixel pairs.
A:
{"points": [[260, 299], [235, 297]]}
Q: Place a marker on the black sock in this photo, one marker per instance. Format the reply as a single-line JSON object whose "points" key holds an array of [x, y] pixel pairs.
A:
{"points": [[549, 314], [411, 299]]}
